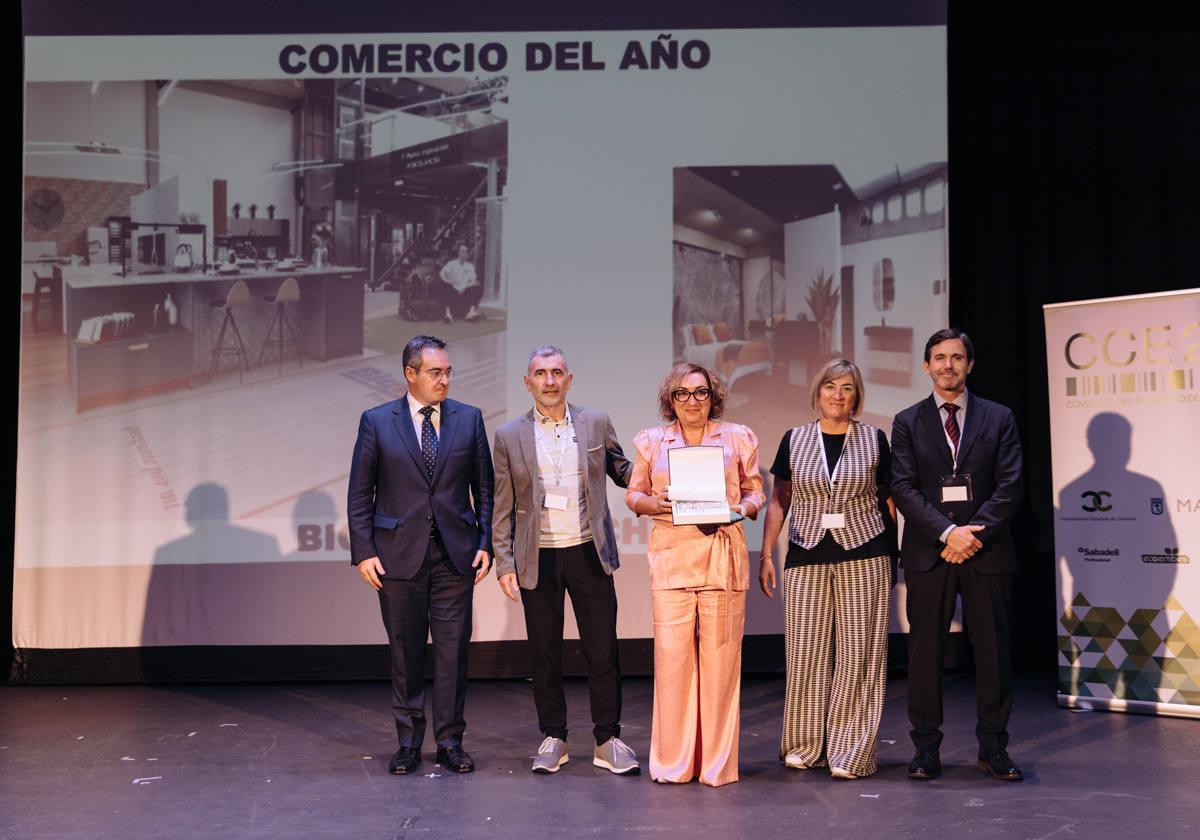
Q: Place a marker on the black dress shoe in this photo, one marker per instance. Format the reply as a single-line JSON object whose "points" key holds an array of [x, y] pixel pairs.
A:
{"points": [[1000, 766], [925, 765], [404, 761], [455, 759]]}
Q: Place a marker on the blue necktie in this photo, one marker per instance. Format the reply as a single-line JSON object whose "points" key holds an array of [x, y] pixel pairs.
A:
{"points": [[429, 440]]}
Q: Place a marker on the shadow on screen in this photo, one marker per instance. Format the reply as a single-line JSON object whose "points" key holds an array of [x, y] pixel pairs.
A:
{"points": [[200, 589], [1128, 546]]}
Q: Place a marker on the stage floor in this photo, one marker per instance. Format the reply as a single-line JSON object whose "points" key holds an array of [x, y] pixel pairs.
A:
{"points": [[310, 761]]}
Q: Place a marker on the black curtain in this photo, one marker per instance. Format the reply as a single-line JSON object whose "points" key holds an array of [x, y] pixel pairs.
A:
{"points": [[1073, 156]]}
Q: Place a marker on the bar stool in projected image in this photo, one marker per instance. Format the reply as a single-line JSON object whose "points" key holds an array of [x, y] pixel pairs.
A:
{"points": [[239, 295], [282, 331], [47, 294]]}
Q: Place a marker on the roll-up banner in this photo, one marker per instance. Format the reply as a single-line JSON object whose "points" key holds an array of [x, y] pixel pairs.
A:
{"points": [[1124, 379]]}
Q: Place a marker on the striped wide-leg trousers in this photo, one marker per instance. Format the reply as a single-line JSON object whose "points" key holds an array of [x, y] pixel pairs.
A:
{"points": [[835, 635]]}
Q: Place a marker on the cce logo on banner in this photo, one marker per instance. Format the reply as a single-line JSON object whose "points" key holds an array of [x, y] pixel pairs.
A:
{"points": [[1097, 501], [1109, 358]]}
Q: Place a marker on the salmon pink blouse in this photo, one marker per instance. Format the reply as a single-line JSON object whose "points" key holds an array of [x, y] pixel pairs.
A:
{"points": [[684, 556]]}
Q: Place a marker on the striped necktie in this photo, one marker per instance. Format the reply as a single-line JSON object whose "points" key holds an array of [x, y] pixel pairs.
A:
{"points": [[952, 424]]}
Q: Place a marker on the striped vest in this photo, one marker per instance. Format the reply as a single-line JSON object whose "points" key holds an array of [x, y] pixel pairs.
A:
{"points": [[853, 494]]}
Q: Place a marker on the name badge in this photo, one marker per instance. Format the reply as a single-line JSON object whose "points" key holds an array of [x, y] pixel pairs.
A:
{"points": [[955, 488], [833, 520], [557, 498]]}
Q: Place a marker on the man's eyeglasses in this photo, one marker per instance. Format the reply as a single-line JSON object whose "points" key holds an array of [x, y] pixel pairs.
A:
{"points": [[682, 395], [438, 373]]}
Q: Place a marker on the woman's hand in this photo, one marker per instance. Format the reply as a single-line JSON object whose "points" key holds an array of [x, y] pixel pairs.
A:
{"points": [[766, 576], [746, 509], [656, 504]]}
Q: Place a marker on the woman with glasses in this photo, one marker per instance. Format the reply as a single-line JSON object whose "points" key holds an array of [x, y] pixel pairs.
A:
{"points": [[699, 575], [832, 478]]}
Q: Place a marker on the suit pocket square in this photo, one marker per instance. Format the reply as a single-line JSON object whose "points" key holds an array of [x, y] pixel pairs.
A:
{"points": [[596, 448], [387, 522]]}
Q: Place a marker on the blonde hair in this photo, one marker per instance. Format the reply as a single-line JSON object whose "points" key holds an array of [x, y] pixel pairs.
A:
{"points": [[830, 371]]}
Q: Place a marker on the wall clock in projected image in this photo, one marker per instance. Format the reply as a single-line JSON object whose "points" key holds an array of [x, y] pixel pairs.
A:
{"points": [[44, 209]]}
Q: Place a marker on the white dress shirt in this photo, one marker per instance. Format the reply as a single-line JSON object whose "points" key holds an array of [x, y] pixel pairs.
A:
{"points": [[418, 419], [961, 415], [558, 466]]}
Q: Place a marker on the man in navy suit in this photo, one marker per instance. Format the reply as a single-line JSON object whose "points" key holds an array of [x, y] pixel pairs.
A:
{"points": [[956, 477], [420, 511]]}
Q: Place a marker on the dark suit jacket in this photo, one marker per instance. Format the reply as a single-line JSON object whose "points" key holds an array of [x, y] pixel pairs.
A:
{"points": [[520, 496], [989, 450], [392, 503]]}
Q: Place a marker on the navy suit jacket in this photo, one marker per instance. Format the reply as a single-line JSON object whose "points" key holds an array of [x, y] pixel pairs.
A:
{"points": [[393, 504], [989, 450]]}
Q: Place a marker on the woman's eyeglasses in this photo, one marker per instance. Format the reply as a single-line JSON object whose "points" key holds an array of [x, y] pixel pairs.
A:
{"points": [[682, 395]]}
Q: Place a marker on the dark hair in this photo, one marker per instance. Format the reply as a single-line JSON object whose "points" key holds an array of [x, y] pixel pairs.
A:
{"points": [[716, 402], [948, 334], [418, 345]]}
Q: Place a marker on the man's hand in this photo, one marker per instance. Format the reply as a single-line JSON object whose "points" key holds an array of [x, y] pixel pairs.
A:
{"points": [[370, 570], [766, 576], [961, 544], [955, 557], [508, 583], [962, 540], [482, 563]]}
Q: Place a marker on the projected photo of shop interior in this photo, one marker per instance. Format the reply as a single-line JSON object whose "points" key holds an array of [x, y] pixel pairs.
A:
{"points": [[219, 277], [184, 236], [778, 269]]}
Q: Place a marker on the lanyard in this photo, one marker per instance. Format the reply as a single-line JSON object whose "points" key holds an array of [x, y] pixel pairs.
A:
{"points": [[564, 442], [831, 477], [953, 446]]}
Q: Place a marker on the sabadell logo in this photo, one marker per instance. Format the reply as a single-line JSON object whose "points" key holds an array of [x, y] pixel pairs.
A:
{"points": [[1099, 555]]}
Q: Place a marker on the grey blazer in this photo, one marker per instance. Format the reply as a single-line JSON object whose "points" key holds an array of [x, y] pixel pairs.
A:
{"points": [[519, 495]]}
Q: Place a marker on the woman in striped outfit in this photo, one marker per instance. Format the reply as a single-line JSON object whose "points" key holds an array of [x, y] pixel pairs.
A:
{"points": [[832, 481]]}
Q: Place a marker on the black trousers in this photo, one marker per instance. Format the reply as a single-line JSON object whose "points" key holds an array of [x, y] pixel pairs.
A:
{"points": [[460, 303], [987, 601], [575, 571], [435, 602]]}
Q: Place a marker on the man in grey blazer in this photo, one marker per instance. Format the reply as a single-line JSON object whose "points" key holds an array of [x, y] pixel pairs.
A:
{"points": [[553, 534]]}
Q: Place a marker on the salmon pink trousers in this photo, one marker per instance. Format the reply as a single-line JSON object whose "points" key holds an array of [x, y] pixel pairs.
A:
{"points": [[697, 685]]}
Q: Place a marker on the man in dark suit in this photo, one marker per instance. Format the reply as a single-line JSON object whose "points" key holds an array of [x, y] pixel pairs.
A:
{"points": [[956, 477], [553, 534], [420, 513]]}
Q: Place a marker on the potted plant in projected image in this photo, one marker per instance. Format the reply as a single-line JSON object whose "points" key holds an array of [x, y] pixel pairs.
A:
{"points": [[822, 300]]}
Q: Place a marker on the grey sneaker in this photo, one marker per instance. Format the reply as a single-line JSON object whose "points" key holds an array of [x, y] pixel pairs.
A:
{"points": [[552, 754], [616, 756]]}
